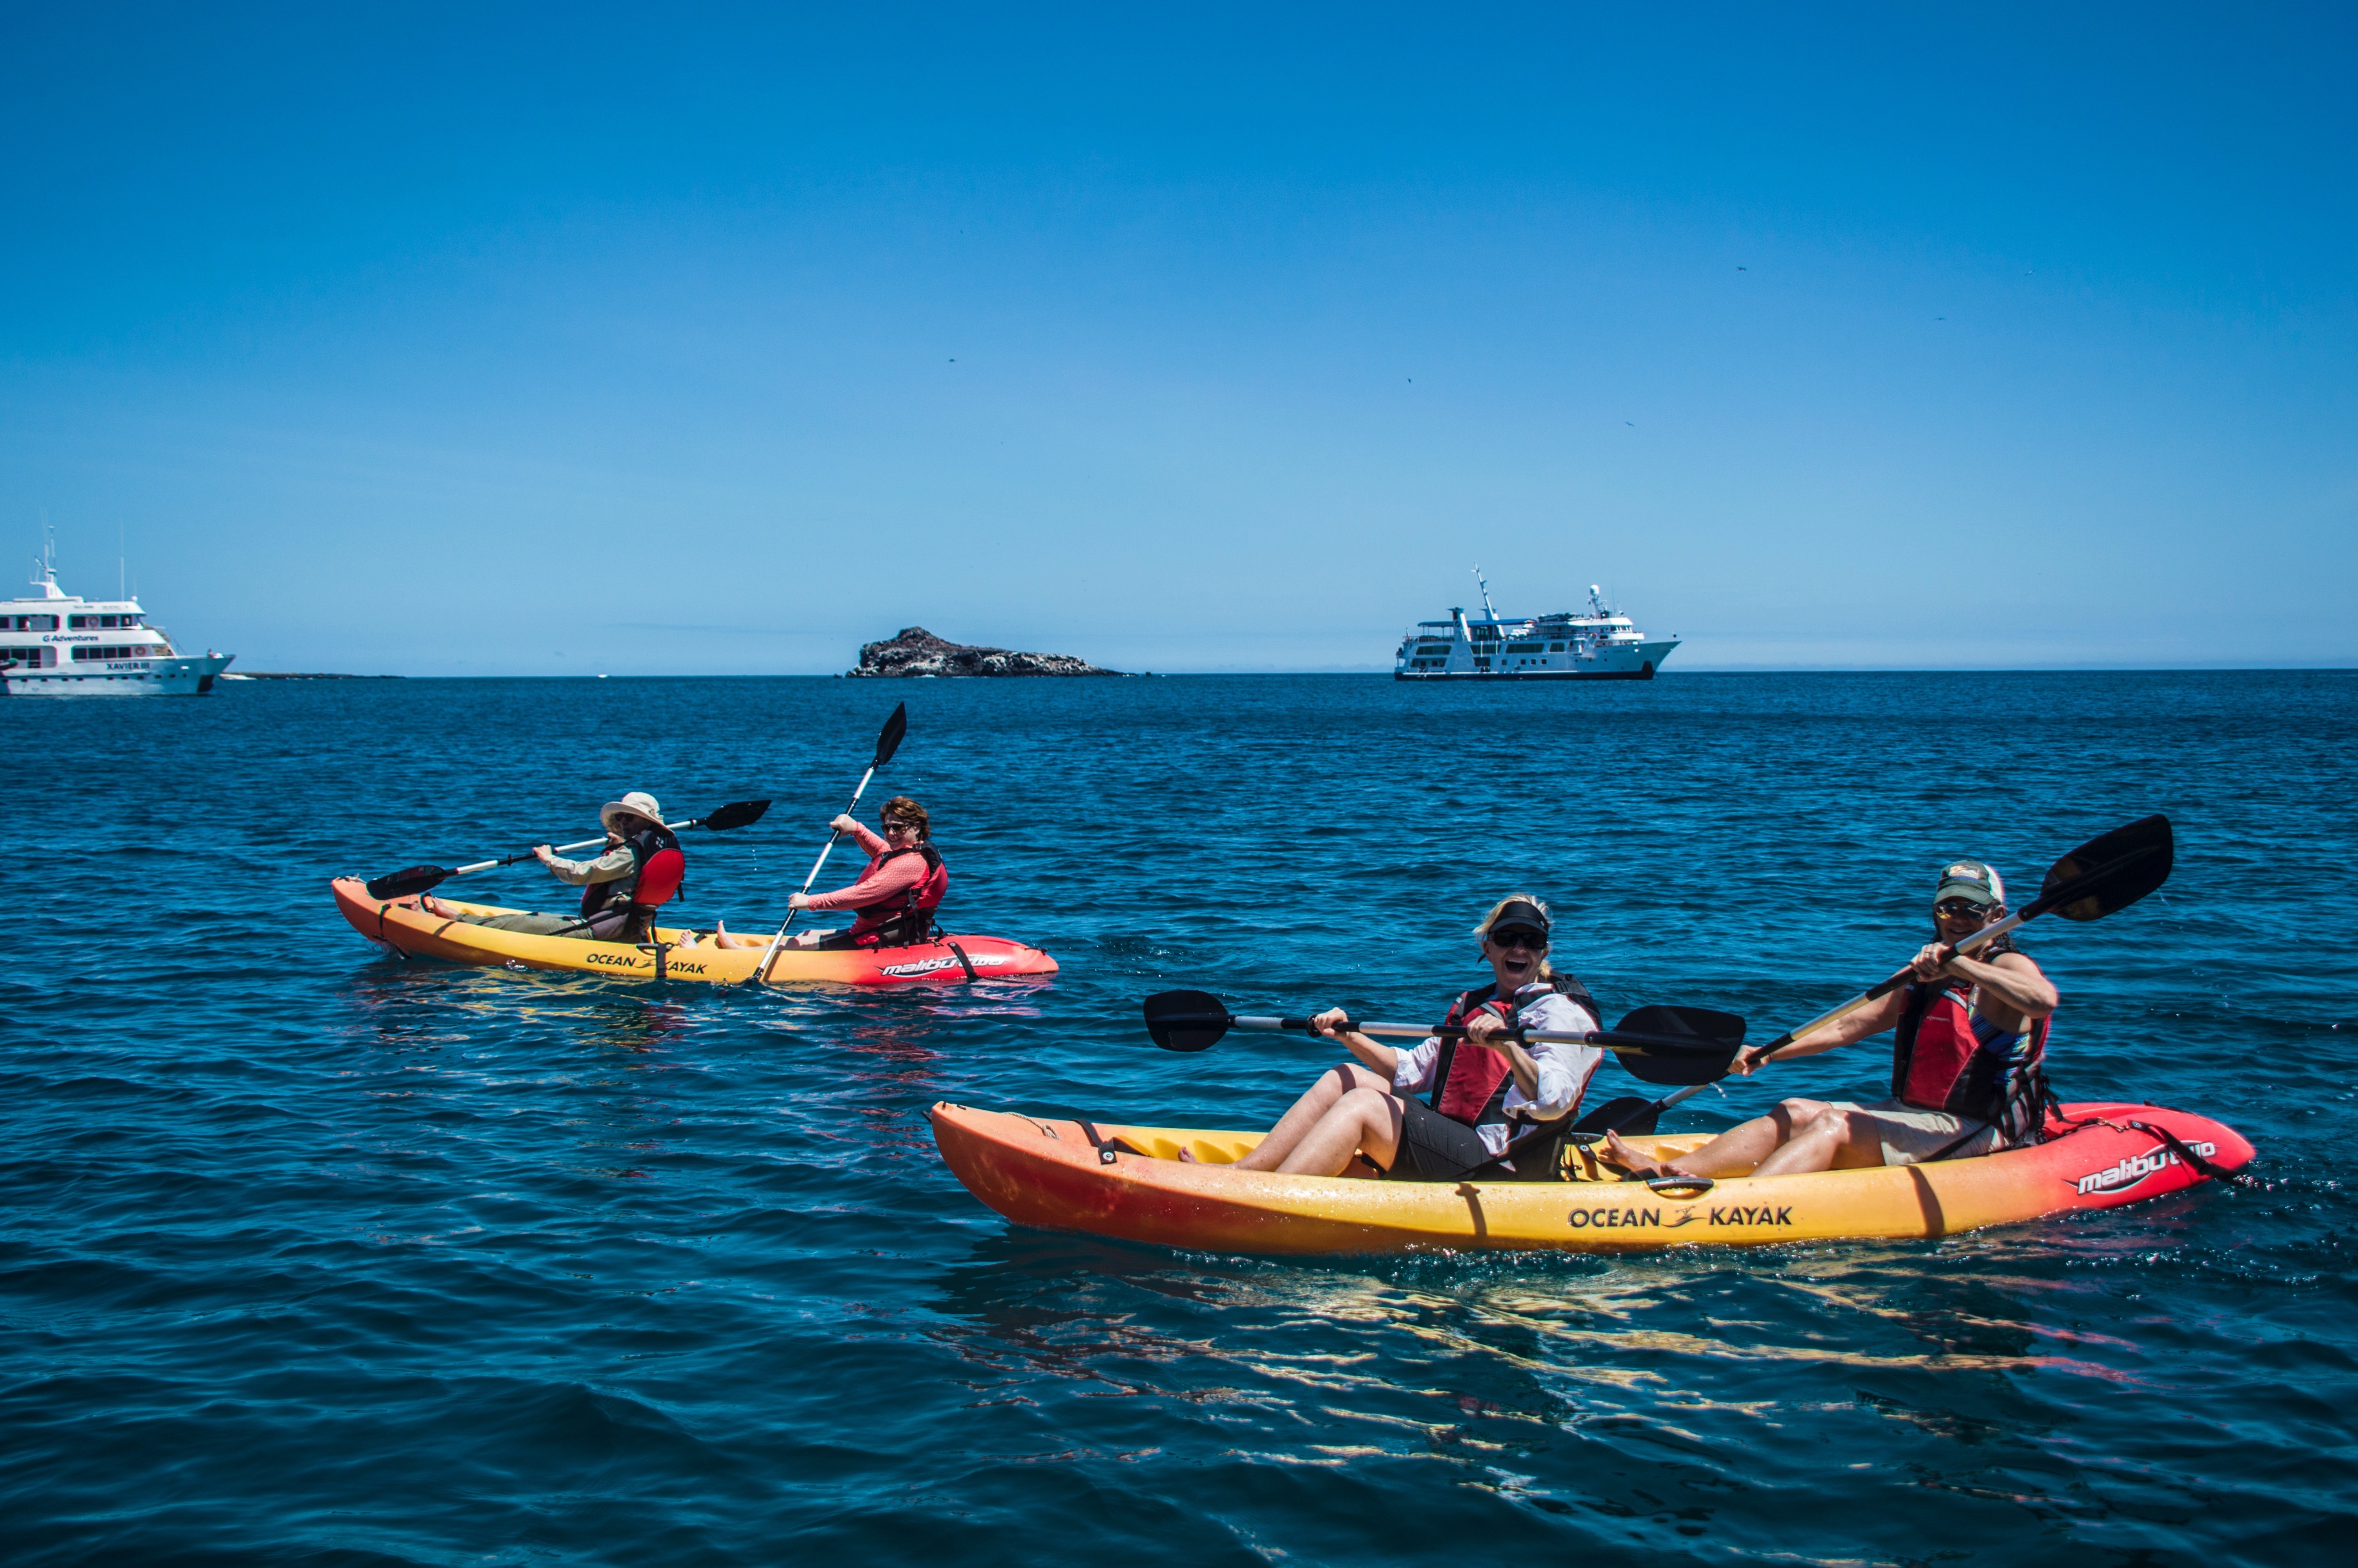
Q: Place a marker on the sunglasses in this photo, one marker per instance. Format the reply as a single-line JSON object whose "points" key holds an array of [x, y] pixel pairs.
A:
{"points": [[1528, 941], [1959, 909]]}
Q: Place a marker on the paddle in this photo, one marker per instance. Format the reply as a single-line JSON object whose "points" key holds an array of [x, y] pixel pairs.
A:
{"points": [[419, 879], [1659, 1045], [2102, 876], [887, 743]]}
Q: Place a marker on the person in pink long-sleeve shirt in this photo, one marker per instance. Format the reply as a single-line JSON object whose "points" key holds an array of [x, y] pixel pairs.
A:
{"points": [[894, 898]]}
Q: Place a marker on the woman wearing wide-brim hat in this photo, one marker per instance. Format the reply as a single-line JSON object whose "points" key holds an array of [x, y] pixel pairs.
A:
{"points": [[620, 889]]}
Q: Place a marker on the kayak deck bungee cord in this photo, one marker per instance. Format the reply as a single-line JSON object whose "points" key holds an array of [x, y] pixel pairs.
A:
{"points": [[1128, 1183], [401, 925]]}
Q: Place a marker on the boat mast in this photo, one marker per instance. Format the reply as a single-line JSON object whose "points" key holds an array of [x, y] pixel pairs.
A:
{"points": [[1489, 611]]}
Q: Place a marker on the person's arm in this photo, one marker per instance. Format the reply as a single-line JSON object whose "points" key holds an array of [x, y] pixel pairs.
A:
{"points": [[1558, 1070], [1380, 1057], [2014, 981], [852, 828], [611, 866], [874, 886]]}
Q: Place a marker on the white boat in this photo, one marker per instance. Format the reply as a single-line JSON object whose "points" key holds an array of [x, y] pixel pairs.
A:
{"points": [[54, 643], [1602, 644]]}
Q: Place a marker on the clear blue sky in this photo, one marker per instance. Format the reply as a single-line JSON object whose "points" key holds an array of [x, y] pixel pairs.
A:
{"points": [[499, 340]]}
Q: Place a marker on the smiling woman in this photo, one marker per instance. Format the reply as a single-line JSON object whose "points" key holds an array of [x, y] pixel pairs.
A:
{"points": [[1481, 1101]]}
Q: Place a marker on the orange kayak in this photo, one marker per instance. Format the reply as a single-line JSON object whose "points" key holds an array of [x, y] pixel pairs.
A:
{"points": [[1129, 1181], [402, 926]]}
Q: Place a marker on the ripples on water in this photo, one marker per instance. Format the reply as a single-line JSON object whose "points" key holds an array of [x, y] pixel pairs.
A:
{"points": [[310, 1255]]}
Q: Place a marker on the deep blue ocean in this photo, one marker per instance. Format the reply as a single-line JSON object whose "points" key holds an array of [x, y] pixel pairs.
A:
{"points": [[310, 1255]]}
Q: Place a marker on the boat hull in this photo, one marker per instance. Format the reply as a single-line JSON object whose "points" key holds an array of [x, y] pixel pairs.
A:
{"points": [[174, 676], [403, 927], [1055, 1175], [1643, 672]]}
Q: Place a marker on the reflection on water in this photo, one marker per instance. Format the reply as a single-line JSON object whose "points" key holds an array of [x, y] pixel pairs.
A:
{"points": [[355, 1256]]}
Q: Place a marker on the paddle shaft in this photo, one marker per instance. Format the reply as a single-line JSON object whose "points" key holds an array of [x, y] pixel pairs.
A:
{"points": [[559, 849], [2069, 890], [761, 973], [1604, 1039]]}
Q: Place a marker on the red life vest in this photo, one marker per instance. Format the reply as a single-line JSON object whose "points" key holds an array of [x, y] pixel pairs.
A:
{"points": [[1945, 1058], [658, 868], [906, 917], [1471, 1086], [1468, 1080]]}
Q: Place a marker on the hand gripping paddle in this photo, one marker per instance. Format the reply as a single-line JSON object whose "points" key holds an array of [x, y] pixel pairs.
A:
{"points": [[419, 879], [1659, 1045], [2101, 877]]}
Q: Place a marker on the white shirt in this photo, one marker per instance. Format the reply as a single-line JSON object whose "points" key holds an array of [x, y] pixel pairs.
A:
{"points": [[1564, 1070]]}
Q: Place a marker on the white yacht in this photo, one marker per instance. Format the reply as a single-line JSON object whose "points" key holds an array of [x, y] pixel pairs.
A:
{"points": [[1602, 644], [54, 643]]}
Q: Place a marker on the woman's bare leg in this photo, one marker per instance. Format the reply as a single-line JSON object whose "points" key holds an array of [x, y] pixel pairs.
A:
{"points": [[1365, 1119], [1733, 1153], [1315, 1102], [1831, 1140]]}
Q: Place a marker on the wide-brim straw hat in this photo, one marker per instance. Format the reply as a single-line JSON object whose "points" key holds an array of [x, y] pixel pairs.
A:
{"points": [[638, 803]]}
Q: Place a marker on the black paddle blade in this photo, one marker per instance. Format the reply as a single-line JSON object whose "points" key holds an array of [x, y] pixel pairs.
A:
{"points": [[1720, 1031], [401, 884], [1185, 1021], [1654, 1066], [890, 740], [737, 813], [2112, 871], [1683, 1044], [1631, 1114]]}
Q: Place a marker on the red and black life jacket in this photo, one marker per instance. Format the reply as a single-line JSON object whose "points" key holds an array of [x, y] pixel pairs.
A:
{"points": [[658, 867], [1945, 1058], [1471, 1086], [907, 918]]}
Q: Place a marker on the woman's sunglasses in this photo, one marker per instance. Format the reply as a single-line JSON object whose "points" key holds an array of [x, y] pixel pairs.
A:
{"points": [[1959, 909], [1528, 941]]}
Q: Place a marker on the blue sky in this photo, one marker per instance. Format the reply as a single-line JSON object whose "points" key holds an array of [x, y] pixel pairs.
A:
{"points": [[496, 340]]}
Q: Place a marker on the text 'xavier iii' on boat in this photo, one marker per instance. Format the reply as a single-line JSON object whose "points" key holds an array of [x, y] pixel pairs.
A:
{"points": [[1602, 644]]}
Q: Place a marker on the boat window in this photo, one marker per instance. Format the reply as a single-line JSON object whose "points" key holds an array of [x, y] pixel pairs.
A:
{"points": [[1556, 647], [31, 622], [101, 653]]}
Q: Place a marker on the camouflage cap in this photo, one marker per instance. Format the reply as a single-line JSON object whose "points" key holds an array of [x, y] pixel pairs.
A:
{"points": [[1976, 881]]}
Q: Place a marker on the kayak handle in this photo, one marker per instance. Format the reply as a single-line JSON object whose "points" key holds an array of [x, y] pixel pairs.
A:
{"points": [[1680, 1187]]}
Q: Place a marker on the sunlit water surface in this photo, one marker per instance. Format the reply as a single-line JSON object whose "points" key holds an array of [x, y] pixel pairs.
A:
{"points": [[313, 1255]]}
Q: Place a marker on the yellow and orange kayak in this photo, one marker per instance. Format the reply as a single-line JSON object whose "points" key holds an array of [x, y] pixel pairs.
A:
{"points": [[1129, 1181], [402, 926]]}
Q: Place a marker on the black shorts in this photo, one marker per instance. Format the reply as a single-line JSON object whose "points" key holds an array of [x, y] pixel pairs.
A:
{"points": [[1433, 1147]]}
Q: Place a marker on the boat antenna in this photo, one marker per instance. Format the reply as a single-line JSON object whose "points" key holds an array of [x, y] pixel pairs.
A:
{"points": [[1489, 611], [45, 564]]}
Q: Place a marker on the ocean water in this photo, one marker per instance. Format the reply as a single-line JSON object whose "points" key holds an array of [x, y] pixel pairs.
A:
{"points": [[309, 1255]]}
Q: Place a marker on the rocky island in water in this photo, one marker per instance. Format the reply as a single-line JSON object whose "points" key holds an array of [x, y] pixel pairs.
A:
{"points": [[917, 652]]}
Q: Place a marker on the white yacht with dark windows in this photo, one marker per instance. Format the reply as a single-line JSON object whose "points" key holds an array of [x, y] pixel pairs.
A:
{"points": [[54, 643], [1602, 644]]}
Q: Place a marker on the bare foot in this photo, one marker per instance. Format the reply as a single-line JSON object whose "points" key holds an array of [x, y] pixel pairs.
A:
{"points": [[1638, 1165], [1187, 1156], [720, 937], [426, 901]]}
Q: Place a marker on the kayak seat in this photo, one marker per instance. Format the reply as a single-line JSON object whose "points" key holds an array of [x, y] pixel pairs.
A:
{"points": [[660, 878]]}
